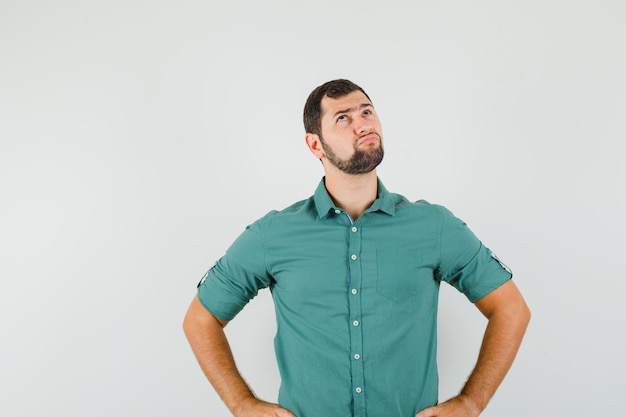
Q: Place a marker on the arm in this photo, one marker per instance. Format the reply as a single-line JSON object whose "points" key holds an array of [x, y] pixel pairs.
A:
{"points": [[508, 316], [205, 334]]}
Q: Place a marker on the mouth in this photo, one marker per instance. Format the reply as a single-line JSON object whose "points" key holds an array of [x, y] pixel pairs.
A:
{"points": [[370, 138]]}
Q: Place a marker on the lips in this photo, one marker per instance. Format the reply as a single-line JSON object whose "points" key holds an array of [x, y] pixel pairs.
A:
{"points": [[370, 138]]}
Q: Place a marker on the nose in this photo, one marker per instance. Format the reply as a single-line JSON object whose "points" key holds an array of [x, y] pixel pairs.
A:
{"points": [[362, 126]]}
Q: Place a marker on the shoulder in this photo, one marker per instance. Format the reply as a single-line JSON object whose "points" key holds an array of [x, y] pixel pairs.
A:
{"points": [[296, 212], [420, 208]]}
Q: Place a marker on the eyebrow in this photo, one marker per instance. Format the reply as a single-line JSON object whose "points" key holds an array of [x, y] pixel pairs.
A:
{"points": [[351, 109]]}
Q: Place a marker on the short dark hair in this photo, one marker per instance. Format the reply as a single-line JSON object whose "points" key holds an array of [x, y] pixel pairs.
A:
{"points": [[313, 108]]}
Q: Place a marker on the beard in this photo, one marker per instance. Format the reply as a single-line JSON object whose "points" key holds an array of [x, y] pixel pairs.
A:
{"points": [[362, 161]]}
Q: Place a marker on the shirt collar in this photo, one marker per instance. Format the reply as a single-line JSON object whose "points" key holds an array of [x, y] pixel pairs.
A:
{"points": [[324, 204]]}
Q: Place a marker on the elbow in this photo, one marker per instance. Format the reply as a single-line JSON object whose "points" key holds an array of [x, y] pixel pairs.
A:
{"points": [[192, 319], [526, 314], [188, 324], [198, 320], [520, 314], [516, 313]]}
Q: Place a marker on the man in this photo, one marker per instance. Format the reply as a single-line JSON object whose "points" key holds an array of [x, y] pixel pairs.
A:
{"points": [[354, 273]]}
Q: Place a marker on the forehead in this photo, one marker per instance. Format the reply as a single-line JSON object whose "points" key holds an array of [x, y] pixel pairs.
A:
{"points": [[355, 99]]}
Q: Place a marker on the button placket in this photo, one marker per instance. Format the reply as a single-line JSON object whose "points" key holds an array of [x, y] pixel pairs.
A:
{"points": [[354, 304]]}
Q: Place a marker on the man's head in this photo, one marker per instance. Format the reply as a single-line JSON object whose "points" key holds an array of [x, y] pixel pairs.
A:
{"points": [[313, 107], [343, 130]]}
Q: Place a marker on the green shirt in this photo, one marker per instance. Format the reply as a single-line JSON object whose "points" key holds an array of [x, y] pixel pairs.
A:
{"points": [[356, 301]]}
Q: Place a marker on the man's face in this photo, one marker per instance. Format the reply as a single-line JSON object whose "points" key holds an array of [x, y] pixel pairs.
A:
{"points": [[351, 134]]}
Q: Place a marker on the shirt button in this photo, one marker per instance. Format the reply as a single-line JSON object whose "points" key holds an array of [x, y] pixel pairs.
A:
{"points": [[357, 356], [353, 257], [354, 291], [355, 323], [337, 211], [358, 390], [354, 229]]}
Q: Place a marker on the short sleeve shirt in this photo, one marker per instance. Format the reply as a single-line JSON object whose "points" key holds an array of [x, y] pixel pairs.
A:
{"points": [[356, 301]]}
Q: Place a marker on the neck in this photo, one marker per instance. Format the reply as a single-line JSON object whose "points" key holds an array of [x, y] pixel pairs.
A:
{"points": [[352, 193]]}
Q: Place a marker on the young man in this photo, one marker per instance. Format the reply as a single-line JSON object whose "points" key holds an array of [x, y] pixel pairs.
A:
{"points": [[354, 273]]}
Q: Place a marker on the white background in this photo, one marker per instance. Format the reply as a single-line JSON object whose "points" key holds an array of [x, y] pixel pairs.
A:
{"points": [[139, 138]]}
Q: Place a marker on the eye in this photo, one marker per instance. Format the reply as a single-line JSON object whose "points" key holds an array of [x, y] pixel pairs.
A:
{"points": [[342, 118], [367, 112]]}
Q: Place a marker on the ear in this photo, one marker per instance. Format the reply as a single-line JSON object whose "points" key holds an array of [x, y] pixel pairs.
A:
{"points": [[315, 145]]}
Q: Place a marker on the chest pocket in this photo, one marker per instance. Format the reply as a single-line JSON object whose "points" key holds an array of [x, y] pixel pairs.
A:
{"points": [[403, 275]]}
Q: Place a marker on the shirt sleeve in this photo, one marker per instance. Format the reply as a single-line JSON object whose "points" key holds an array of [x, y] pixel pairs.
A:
{"points": [[465, 263], [237, 277]]}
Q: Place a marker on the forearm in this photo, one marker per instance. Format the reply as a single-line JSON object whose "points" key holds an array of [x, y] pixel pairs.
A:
{"points": [[210, 346], [501, 341]]}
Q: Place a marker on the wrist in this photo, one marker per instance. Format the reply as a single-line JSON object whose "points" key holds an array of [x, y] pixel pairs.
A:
{"points": [[472, 404], [240, 405]]}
